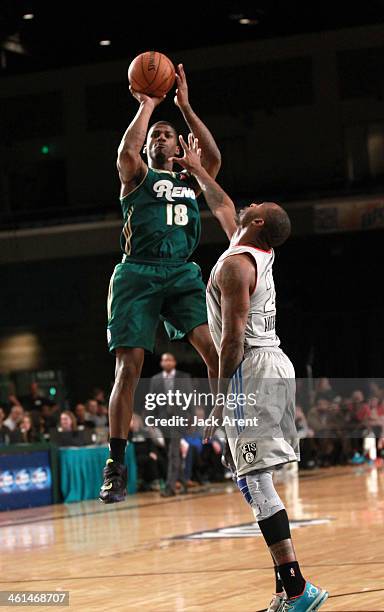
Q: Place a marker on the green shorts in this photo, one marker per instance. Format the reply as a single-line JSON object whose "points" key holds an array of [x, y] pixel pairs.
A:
{"points": [[141, 294]]}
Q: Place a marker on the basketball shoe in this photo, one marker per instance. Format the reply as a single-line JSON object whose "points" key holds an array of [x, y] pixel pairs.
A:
{"points": [[311, 600], [276, 602], [114, 487]]}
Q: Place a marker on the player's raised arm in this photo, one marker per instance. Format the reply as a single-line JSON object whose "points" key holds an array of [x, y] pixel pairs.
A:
{"points": [[130, 165], [218, 201], [210, 154]]}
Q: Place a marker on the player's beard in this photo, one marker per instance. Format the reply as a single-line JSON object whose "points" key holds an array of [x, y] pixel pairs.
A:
{"points": [[160, 157]]}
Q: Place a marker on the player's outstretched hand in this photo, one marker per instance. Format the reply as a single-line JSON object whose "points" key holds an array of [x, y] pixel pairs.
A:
{"points": [[192, 153], [214, 421], [142, 97], [181, 98]]}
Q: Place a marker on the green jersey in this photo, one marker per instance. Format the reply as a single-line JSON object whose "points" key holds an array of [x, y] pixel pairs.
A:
{"points": [[161, 218]]}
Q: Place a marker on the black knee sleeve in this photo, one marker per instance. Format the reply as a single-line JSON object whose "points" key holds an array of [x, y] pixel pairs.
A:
{"points": [[275, 528]]}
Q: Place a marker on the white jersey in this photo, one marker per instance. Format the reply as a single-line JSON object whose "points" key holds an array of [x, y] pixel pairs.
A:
{"points": [[260, 329]]}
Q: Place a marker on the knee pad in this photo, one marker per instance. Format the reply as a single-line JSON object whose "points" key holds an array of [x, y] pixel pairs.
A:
{"points": [[259, 492]]}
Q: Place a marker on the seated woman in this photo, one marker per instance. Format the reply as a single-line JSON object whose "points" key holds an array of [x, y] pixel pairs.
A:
{"points": [[26, 432], [67, 434]]}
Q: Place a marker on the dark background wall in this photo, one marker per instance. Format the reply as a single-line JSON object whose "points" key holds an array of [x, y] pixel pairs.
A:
{"points": [[294, 117]]}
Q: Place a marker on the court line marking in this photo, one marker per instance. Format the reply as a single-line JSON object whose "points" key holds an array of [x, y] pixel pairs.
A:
{"points": [[221, 531], [182, 572], [175, 573], [160, 502], [111, 510]]}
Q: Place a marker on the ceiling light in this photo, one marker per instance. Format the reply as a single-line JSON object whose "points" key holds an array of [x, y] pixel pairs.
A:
{"points": [[246, 21], [12, 43], [28, 16], [104, 43]]}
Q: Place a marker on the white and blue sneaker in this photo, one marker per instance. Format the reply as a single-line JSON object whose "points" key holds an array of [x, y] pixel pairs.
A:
{"points": [[276, 602], [311, 600]]}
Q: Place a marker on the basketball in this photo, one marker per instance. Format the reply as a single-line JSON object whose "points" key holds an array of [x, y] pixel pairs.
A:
{"points": [[151, 73]]}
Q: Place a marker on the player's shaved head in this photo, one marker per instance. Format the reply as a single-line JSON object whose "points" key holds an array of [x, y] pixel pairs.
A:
{"points": [[271, 222], [277, 225]]}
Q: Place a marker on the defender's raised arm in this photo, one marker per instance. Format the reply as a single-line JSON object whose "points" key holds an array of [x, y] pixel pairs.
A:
{"points": [[210, 154], [218, 201]]}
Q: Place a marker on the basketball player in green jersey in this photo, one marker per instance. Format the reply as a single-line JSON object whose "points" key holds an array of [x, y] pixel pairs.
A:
{"points": [[155, 280]]}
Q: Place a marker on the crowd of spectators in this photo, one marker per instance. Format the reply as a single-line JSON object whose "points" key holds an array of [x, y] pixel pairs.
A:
{"points": [[36, 418], [335, 428], [338, 429]]}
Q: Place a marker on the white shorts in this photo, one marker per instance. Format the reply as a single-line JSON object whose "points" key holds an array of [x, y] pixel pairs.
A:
{"points": [[260, 421]]}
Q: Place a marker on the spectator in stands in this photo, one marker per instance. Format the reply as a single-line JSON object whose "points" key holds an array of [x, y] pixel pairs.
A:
{"points": [[339, 432], [67, 433], [376, 416], [13, 400], [376, 422], [26, 432], [99, 395], [323, 389], [212, 467], [170, 380], [358, 416], [155, 434], [320, 421], [203, 461], [35, 399], [307, 445], [151, 467], [194, 470], [302, 427], [67, 421], [50, 413], [55, 411], [359, 407], [317, 416], [81, 417], [376, 389], [4, 431], [93, 414], [15, 417]]}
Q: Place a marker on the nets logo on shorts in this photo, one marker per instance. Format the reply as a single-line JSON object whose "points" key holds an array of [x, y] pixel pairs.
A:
{"points": [[249, 452]]}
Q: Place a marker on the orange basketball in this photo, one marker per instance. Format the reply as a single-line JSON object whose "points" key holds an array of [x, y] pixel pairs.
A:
{"points": [[152, 73]]}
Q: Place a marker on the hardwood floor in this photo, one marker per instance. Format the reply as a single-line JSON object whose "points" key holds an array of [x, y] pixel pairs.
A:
{"points": [[134, 555]]}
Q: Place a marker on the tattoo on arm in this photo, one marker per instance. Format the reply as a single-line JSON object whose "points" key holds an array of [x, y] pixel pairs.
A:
{"points": [[210, 154], [235, 279]]}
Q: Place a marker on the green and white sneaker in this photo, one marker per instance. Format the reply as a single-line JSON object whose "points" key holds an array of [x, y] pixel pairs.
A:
{"points": [[114, 487]]}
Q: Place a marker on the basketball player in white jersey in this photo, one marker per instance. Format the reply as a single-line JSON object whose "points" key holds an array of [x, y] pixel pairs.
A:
{"points": [[241, 316]]}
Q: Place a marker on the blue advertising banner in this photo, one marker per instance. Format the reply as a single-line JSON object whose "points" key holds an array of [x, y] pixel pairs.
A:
{"points": [[25, 480]]}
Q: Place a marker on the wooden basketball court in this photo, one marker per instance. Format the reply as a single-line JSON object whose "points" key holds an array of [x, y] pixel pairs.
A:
{"points": [[142, 554]]}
